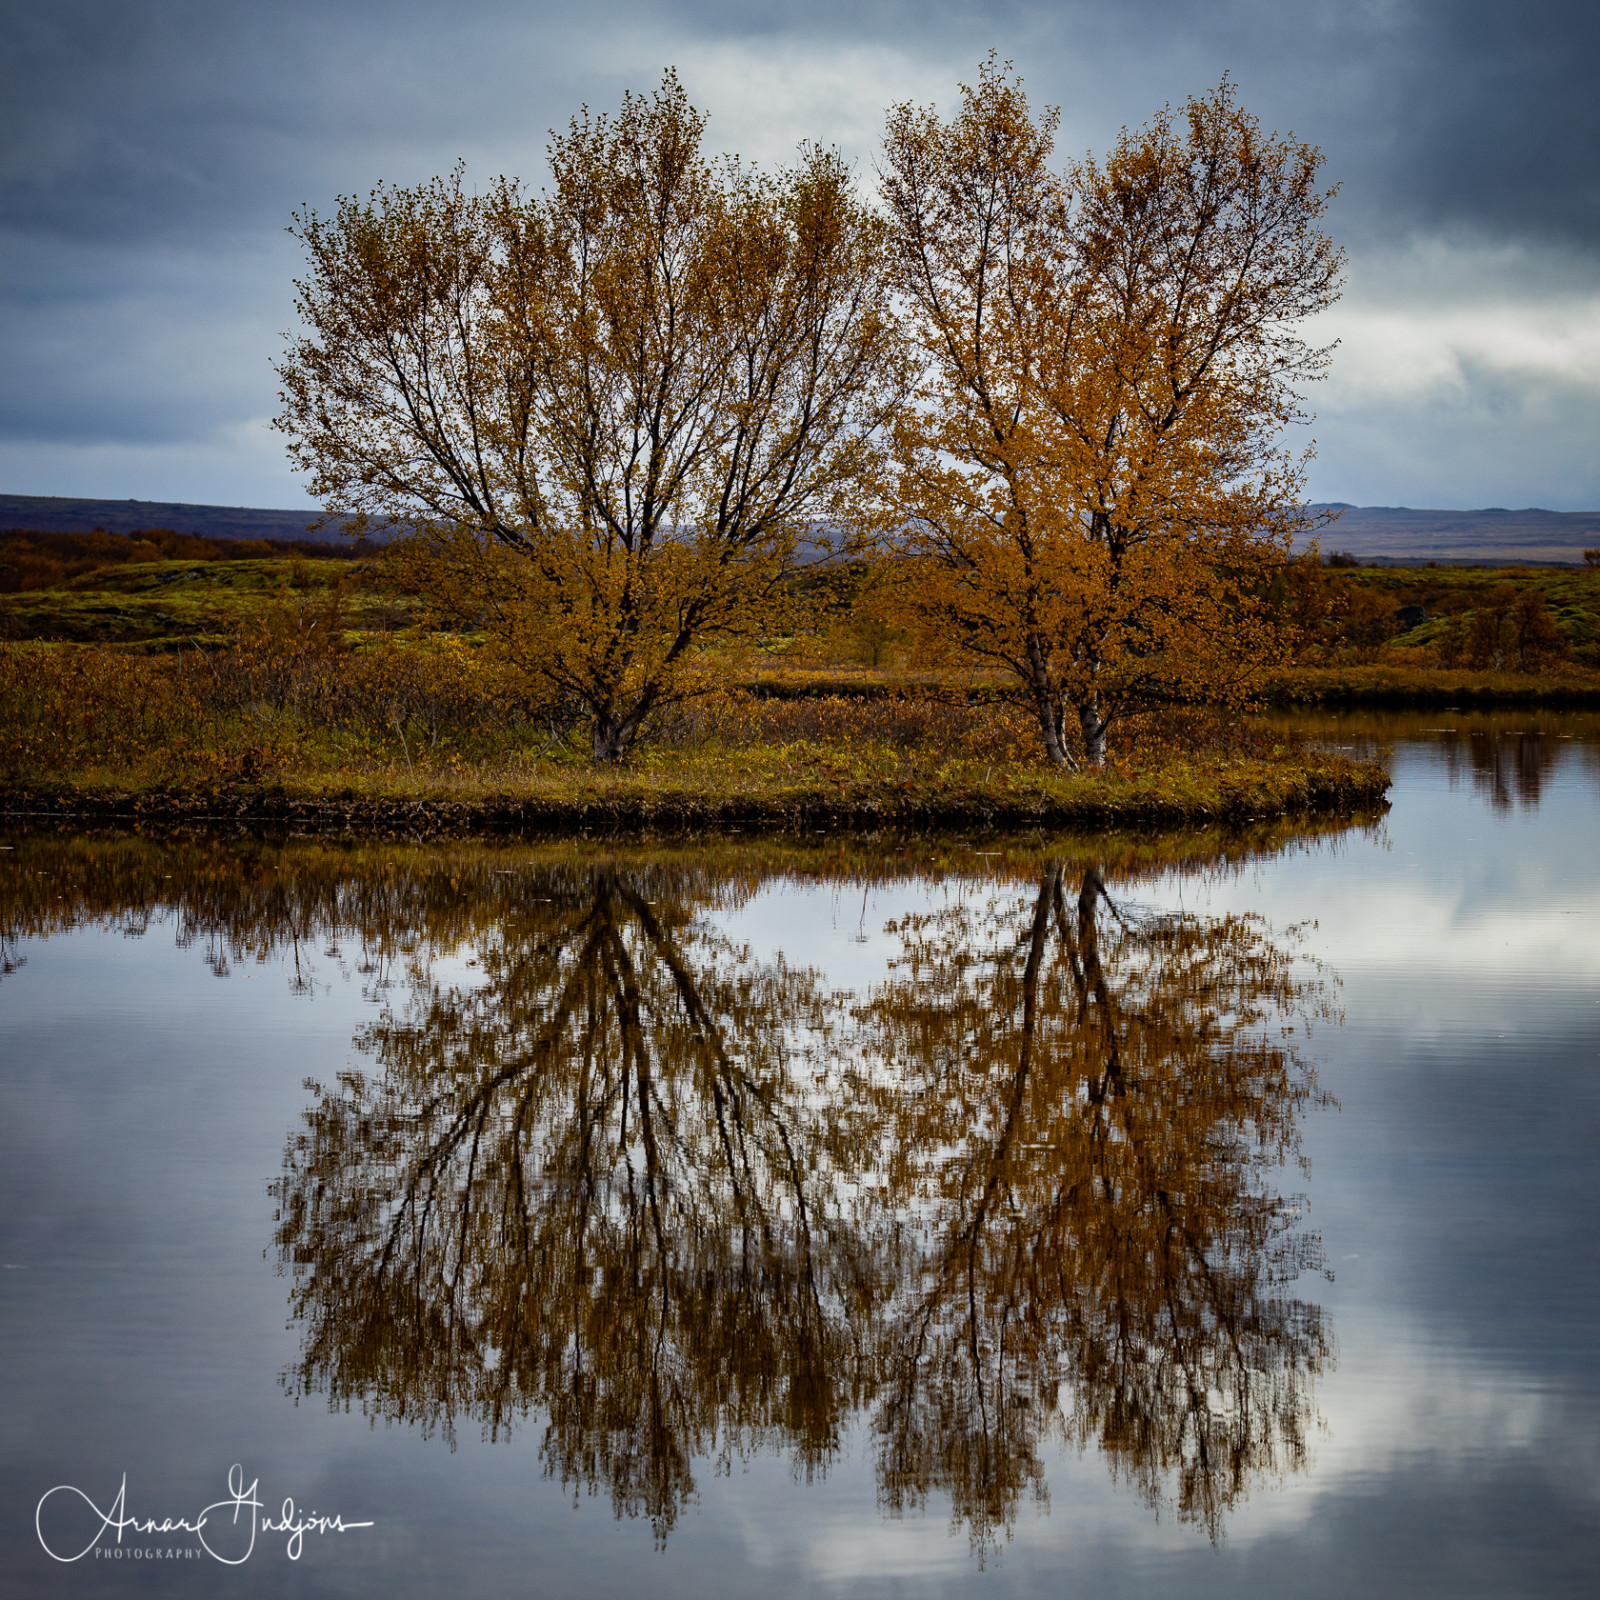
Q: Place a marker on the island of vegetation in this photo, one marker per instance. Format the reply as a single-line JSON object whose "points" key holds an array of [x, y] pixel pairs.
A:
{"points": [[701, 495]]}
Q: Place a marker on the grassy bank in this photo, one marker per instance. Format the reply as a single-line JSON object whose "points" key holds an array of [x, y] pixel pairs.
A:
{"points": [[291, 689], [1395, 680], [1402, 683], [791, 790], [295, 727]]}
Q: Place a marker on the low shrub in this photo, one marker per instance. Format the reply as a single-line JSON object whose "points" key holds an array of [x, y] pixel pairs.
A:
{"points": [[290, 692], [1513, 629], [738, 720], [68, 707]]}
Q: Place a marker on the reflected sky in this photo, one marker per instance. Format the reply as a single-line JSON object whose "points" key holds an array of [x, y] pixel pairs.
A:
{"points": [[1445, 994]]}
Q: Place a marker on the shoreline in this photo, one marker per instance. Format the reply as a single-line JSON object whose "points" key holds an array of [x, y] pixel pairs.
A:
{"points": [[1242, 791], [1380, 684]]}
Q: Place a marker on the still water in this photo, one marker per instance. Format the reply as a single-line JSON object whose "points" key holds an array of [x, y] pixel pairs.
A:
{"points": [[1087, 1216]]}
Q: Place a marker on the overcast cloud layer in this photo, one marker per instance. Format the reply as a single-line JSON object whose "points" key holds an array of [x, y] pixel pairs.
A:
{"points": [[151, 153]]}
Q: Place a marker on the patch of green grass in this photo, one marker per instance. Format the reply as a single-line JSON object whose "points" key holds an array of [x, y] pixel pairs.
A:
{"points": [[161, 604], [263, 577]]}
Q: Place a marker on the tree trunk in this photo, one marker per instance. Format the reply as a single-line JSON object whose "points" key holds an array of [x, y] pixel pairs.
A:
{"points": [[1094, 727], [1048, 708], [1054, 745], [613, 731], [610, 736]]}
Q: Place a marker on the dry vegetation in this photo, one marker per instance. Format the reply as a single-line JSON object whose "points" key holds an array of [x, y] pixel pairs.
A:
{"points": [[301, 709], [301, 683]]}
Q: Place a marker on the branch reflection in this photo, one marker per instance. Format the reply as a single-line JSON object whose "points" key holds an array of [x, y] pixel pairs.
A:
{"points": [[683, 1205], [1507, 765], [1096, 1110], [601, 1182]]}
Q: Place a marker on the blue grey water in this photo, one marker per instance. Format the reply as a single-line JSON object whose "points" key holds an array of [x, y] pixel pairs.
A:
{"points": [[150, 1081]]}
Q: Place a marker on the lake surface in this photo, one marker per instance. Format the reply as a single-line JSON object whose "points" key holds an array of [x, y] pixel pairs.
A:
{"points": [[1085, 1216]]}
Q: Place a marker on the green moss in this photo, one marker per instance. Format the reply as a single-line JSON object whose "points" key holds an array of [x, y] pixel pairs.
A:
{"points": [[153, 605], [1572, 593]]}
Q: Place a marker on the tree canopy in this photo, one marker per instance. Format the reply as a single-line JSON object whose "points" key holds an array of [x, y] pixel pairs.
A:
{"points": [[621, 409], [626, 410], [1088, 485]]}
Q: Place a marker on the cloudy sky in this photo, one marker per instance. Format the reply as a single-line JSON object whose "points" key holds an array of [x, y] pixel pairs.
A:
{"points": [[152, 150]]}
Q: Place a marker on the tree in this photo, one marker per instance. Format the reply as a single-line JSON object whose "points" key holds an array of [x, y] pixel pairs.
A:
{"points": [[1088, 488], [620, 410], [1513, 629]]}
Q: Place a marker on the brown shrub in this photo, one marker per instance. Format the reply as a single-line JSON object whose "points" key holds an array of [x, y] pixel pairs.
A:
{"points": [[295, 658], [992, 731], [989, 731], [247, 709], [1513, 630], [1535, 637], [1161, 732], [70, 707], [31, 560]]}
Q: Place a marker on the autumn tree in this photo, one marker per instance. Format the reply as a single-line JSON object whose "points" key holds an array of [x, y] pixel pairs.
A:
{"points": [[1513, 629], [1089, 490], [622, 410]]}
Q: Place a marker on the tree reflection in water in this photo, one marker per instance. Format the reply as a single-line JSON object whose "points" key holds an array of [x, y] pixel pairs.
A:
{"points": [[683, 1205], [1507, 765], [1095, 1108], [603, 1182], [676, 1205]]}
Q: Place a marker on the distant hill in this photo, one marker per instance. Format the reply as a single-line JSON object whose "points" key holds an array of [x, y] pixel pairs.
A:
{"points": [[1373, 533], [50, 514], [1401, 534]]}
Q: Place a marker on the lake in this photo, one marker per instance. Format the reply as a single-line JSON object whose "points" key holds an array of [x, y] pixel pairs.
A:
{"points": [[1209, 1214]]}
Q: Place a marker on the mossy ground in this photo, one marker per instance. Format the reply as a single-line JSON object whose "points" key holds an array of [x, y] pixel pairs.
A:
{"points": [[164, 605], [1572, 594]]}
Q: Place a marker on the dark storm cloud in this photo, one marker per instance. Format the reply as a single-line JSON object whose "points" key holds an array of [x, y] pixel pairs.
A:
{"points": [[158, 120], [1495, 122], [152, 152], [127, 121]]}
